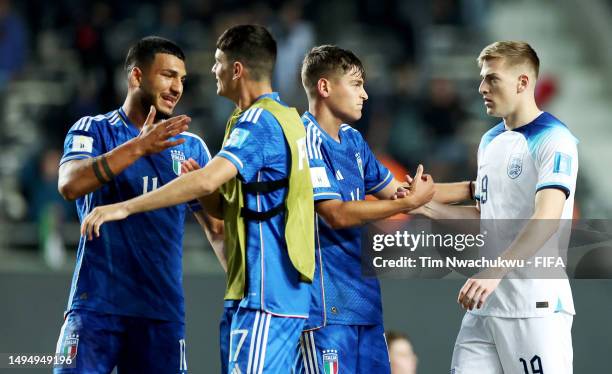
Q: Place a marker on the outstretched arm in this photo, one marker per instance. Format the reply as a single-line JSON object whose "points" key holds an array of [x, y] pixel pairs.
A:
{"points": [[342, 214], [80, 177], [182, 189], [542, 225], [449, 193]]}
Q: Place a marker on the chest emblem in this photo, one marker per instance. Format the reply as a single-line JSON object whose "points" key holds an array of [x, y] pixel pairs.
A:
{"points": [[330, 361], [177, 159], [515, 165]]}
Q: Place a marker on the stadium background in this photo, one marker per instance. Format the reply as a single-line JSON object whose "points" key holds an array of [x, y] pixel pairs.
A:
{"points": [[61, 60]]}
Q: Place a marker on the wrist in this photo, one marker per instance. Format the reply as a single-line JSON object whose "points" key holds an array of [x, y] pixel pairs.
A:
{"points": [[126, 206], [136, 148]]}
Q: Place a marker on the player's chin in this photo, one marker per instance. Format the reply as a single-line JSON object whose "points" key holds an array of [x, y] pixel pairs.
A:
{"points": [[354, 116], [164, 111]]}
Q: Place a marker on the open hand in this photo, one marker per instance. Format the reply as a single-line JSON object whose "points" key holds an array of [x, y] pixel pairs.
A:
{"points": [[91, 224], [475, 292], [189, 165], [153, 137]]}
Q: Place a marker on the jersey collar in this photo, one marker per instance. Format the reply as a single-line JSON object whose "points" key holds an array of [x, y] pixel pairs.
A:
{"points": [[312, 119], [124, 118], [272, 95]]}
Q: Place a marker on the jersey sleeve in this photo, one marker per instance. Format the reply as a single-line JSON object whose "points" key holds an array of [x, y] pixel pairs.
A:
{"points": [[324, 183], [200, 153], [557, 162], [82, 141], [246, 145], [478, 187], [375, 175]]}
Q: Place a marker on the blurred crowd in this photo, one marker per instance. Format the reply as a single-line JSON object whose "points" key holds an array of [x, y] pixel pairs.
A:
{"points": [[62, 60]]}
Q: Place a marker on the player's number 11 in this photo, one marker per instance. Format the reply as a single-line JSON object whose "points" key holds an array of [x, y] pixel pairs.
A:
{"points": [[145, 184]]}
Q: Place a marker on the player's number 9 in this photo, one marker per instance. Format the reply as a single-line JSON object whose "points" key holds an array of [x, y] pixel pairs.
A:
{"points": [[484, 189]]}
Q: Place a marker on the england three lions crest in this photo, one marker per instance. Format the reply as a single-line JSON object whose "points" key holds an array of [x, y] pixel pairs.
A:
{"points": [[515, 165]]}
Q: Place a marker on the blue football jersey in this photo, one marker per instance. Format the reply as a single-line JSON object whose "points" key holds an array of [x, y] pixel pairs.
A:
{"points": [[135, 267], [345, 170], [258, 149]]}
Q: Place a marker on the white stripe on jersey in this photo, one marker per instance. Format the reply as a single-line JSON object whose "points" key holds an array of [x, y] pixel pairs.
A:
{"points": [[80, 124], [264, 344], [313, 141], [252, 345], [381, 183], [258, 344], [345, 127], [114, 119], [312, 349], [257, 114], [248, 115], [326, 194], [187, 133], [232, 156], [89, 124]]}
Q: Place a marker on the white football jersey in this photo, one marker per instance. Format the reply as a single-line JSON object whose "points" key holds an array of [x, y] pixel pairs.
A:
{"points": [[513, 165]]}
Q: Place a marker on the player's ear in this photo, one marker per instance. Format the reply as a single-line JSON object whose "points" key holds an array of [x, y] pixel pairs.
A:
{"points": [[323, 88], [135, 77], [238, 70], [523, 83]]}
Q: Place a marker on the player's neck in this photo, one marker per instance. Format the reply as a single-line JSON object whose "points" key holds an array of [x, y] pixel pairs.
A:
{"points": [[521, 117], [326, 119], [249, 91], [134, 112]]}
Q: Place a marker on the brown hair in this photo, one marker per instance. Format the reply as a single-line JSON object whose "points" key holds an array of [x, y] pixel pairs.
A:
{"points": [[253, 45], [514, 52], [327, 60]]}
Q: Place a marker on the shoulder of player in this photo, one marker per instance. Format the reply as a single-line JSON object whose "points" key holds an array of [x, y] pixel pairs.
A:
{"points": [[89, 123], [547, 129], [494, 131], [193, 140], [351, 133], [256, 116]]}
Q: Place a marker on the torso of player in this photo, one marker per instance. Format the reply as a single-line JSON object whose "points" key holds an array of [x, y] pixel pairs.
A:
{"points": [[342, 170], [144, 252], [506, 177], [257, 147], [513, 165]]}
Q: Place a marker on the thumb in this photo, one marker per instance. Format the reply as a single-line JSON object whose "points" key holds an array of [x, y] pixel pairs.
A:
{"points": [[419, 173], [150, 116]]}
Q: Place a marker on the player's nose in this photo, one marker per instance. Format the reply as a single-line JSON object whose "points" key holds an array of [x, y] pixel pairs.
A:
{"points": [[482, 88], [364, 95]]}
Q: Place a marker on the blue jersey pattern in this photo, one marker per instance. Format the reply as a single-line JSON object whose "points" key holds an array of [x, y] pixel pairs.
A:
{"points": [[258, 149], [345, 170], [135, 267]]}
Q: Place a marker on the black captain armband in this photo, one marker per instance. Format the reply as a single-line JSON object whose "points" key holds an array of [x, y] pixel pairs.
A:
{"points": [[108, 173]]}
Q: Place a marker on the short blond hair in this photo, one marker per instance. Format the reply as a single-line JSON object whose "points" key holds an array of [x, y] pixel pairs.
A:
{"points": [[514, 52]]}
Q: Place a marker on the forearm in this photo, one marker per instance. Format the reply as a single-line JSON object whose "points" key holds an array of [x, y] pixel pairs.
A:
{"points": [[437, 211], [531, 239], [180, 190], [356, 213], [214, 231], [448, 193], [80, 177]]}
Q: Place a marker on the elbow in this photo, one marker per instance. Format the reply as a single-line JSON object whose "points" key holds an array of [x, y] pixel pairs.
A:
{"points": [[205, 188], [336, 220], [67, 191]]}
